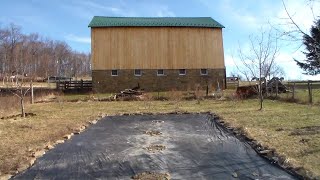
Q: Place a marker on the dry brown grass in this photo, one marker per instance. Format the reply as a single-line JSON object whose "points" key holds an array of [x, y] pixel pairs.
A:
{"points": [[27, 84], [9, 104], [271, 127]]}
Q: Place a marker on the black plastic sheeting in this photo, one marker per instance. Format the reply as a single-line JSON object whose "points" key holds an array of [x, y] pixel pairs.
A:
{"points": [[196, 148]]}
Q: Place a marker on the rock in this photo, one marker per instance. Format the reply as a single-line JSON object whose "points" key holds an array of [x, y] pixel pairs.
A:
{"points": [[230, 128], [67, 136], [60, 141], [38, 153], [94, 122], [48, 147], [235, 175], [31, 162], [264, 152], [22, 167]]}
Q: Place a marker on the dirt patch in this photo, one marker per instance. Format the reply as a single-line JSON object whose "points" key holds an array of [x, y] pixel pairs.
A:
{"points": [[18, 115], [155, 148], [153, 133], [308, 130], [151, 176], [157, 121]]}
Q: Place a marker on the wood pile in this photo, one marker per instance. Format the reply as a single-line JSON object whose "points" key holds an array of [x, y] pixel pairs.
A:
{"points": [[129, 94], [275, 85]]}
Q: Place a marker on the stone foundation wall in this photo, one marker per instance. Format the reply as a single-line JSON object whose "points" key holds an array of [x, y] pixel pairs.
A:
{"points": [[149, 81]]}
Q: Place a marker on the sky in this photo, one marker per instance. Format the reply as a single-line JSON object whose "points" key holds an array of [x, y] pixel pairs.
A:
{"points": [[68, 20]]}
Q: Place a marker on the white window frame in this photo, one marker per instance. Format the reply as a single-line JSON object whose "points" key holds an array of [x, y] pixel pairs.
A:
{"points": [[183, 74], [116, 70], [160, 74], [204, 74], [135, 74]]}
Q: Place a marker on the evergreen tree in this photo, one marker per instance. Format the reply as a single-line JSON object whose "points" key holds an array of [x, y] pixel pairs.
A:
{"points": [[311, 65]]}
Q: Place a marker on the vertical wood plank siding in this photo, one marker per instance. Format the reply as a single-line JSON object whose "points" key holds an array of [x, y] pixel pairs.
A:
{"points": [[156, 48]]}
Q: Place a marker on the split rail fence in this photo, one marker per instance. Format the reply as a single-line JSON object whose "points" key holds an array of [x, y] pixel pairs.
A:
{"points": [[74, 85]]}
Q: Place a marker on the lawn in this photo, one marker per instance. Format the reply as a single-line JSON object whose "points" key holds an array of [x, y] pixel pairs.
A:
{"points": [[292, 129], [302, 96]]}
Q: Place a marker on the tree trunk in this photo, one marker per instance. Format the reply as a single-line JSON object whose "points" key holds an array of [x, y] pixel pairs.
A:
{"points": [[32, 96], [23, 114], [260, 86], [260, 95]]}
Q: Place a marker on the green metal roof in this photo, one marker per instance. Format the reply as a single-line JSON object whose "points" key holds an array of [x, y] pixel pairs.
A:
{"points": [[101, 21]]}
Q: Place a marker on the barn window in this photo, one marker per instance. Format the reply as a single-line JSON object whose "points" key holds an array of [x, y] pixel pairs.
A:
{"points": [[160, 72], [203, 72], [137, 72], [114, 72], [182, 72]]}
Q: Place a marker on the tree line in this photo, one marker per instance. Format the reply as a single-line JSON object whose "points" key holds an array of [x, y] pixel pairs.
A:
{"points": [[36, 56]]}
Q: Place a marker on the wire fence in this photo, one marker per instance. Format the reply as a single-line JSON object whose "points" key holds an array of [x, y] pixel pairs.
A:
{"points": [[307, 92]]}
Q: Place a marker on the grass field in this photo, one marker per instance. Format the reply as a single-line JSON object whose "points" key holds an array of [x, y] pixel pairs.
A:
{"points": [[302, 96], [27, 84], [292, 129]]}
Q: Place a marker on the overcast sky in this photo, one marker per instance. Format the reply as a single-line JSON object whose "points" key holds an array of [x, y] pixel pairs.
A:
{"points": [[68, 20]]}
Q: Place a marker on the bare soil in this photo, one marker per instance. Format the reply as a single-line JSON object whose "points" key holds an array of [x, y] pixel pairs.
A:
{"points": [[151, 176], [155, 148], [153, 133]]}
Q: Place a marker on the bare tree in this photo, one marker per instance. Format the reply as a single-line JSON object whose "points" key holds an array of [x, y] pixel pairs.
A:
{"points": [[35, 56], [20, 91], [308, 38], [290, 29], [47, 57], [259, 59]]}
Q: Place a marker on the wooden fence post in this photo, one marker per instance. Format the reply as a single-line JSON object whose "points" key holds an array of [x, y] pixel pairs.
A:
{"points": [[310, 91], [31, 88], [207, 91], [293, 90], [277, 88]]}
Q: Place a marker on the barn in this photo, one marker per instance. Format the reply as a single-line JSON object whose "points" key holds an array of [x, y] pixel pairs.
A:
{"points": [[156, 54]]}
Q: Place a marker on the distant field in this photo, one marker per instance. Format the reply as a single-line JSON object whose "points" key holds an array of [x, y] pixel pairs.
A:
{"points": [[27, 84], [41, 84]]}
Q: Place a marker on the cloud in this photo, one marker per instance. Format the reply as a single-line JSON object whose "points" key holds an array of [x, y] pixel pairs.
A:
{"points": [[23, 20], [100, 8], [75, 38], [87, 9], [229, 60], [245, 14], [240, 16], [163, 11]]}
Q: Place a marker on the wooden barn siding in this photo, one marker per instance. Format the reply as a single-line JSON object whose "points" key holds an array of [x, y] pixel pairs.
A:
{"points": [[157, 48]]}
